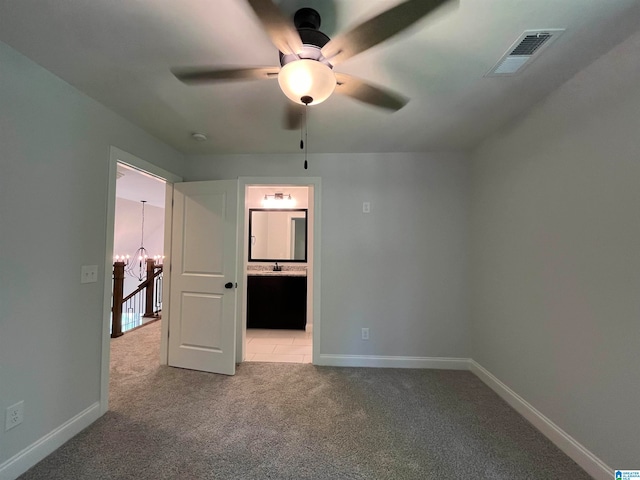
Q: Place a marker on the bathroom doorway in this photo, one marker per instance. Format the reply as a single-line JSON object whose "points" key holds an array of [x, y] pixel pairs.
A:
{"points": [[278, 276]]}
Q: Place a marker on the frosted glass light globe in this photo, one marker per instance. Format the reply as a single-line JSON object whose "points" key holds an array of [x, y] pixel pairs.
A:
{"points": [[310, 78]]}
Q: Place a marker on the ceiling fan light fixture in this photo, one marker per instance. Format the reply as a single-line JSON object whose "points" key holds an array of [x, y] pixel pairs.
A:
{"points": [[307, 78]]}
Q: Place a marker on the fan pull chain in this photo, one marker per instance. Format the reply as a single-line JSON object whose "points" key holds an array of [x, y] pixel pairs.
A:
{"points": [[301, 141], [306, 131], [306, 100]]}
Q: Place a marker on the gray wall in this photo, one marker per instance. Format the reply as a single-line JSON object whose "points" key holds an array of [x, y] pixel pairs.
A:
{"points": [[556, 257], [53, 202], [400, 270]]}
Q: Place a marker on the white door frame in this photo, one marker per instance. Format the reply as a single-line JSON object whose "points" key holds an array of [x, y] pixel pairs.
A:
{"points": [[116, 155], [313, 282]]}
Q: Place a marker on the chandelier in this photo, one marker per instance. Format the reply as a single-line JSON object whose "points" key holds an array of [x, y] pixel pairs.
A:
{"points": [[137, 267]]}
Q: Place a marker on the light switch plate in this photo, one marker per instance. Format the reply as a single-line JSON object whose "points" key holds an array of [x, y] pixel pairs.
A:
{"points": [[365, 334], [366, 207], [89, 274]]}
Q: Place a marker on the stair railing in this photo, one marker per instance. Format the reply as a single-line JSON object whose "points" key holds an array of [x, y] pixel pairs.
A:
{"points": [[148, 305]]}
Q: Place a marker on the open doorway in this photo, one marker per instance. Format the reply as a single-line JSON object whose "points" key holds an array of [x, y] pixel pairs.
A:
{"points": [[278, 320], [138, 245], [214, 189], [116, 157]]}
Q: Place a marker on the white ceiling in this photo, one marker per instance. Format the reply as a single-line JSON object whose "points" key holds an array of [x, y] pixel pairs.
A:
{"points": [[120, 53], [137, 186]]}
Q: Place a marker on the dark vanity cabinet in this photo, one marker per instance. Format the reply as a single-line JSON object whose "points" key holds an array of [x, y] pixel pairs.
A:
{"points": [[277, 301]]}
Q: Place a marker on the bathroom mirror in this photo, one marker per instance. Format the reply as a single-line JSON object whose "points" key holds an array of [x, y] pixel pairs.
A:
{"points": [[277, 235]]}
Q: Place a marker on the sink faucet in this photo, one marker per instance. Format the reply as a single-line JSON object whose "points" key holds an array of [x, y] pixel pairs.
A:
{"points": [[277, 268]]}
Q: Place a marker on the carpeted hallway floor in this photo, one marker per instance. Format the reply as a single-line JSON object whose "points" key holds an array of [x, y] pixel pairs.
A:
{"points": [[297, 421]]}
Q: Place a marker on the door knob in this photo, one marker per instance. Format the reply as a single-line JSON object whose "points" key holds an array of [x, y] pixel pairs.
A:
{"points": [[229, 285]]}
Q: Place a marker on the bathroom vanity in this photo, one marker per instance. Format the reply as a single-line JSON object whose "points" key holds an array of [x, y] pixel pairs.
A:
{"points": [[277, 295], [277, 300]]}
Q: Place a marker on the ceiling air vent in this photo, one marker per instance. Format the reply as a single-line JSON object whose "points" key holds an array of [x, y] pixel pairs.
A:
{"points": [[525, 48]]}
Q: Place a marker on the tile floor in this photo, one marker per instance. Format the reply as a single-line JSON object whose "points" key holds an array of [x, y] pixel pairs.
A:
{"points": [[265, 345]]}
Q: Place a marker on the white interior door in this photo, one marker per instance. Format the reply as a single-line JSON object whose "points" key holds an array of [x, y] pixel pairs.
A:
{"points": [[202, 307]]}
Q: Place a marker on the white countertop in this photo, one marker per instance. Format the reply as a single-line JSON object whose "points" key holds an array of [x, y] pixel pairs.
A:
{"points": [[282, 273]]}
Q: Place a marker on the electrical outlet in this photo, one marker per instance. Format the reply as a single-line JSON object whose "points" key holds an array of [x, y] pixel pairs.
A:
{"points": [[366, 207], [365, 334], [15, 415], [89, 274]]}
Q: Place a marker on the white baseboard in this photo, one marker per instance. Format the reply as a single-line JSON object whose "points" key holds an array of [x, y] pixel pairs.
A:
{"points": [[565, 442], [393, 362], [27, 458]]}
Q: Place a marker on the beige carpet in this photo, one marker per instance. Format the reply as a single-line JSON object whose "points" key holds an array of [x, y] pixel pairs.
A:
{"points": [[287, 421]]}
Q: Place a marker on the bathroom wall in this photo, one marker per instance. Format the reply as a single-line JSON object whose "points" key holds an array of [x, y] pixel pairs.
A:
{"points": [[277, 232]]}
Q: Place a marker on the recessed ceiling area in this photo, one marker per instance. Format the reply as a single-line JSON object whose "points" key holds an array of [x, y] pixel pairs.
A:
{"points": [[121, 54]]}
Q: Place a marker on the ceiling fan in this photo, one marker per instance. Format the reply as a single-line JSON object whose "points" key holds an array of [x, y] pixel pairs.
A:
{"points": [[307, 56]]}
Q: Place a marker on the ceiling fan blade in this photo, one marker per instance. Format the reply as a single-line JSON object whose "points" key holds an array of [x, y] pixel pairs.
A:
{"points": [[293, 116], [378, 29], [278, 26], [204, 75], [367, 93]]}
